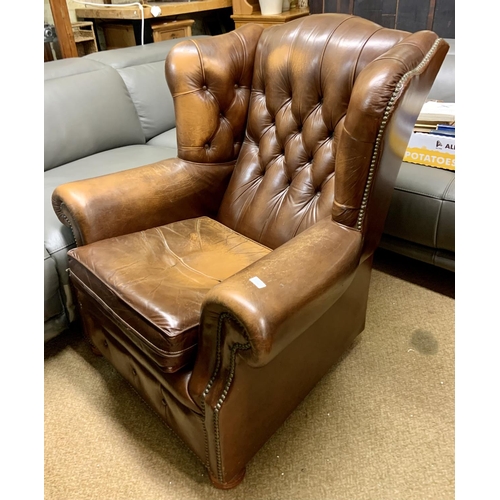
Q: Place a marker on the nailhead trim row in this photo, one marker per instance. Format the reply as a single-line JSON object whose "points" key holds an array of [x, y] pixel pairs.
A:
{"points": [[378, 140], [234, 349], [63, 215]]}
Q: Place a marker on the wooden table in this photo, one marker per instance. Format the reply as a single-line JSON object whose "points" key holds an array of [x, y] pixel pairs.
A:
{"points": [[268, 21], [168, 9], [122, 26], [171, 30]]}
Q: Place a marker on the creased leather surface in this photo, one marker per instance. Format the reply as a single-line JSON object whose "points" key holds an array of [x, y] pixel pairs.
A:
{"points": [[156, 280], [210, 81], [140, 198], [319, 94], [370, 98], [284, 180], [293, 296]]}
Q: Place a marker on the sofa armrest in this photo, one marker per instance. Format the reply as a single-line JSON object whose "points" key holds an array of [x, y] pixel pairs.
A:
{"points": [[140, 198], [303, 278]]}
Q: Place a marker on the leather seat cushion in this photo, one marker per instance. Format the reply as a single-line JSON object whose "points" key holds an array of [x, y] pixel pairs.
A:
{"points": [[152, 283]]}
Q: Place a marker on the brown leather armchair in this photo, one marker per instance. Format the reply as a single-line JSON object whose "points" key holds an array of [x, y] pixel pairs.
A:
{"points": [[225, 283]]}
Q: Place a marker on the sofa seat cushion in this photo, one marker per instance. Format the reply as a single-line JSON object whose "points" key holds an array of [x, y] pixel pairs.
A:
{"points": [[422, 210], [167, 139], [154, 281]]}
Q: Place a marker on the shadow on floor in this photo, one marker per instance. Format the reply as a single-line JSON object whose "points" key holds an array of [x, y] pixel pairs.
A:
{"points": [[428, 276]]}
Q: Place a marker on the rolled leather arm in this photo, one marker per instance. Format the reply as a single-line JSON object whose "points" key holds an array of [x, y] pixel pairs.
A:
{"points": [[140, 198], [303, 278]]}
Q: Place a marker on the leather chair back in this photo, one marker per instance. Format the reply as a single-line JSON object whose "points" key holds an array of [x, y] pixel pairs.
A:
{"points": [[320, 90], [329, 102]]}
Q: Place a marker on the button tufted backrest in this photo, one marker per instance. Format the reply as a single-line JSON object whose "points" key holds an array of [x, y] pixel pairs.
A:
{"points": [[315, 115]]}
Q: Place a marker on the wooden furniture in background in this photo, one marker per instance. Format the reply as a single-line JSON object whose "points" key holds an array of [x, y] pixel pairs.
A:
{"points": [[170, 30], [245, 7], [268, 21], [122, 27], [84, 38], [63, 27], [118, 35], [47, 52], [167, 9]]}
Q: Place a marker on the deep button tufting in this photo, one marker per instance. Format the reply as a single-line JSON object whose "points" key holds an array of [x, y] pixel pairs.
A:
{"points": [[204, 87], [207, 146], [164, 402], [236, 86]]}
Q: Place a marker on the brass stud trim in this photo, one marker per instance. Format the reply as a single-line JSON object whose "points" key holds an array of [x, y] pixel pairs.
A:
{"points": [[388, 110], [234, 350]]}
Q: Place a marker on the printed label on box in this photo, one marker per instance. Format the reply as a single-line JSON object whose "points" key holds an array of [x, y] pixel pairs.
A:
{"points": [[431, 150]]}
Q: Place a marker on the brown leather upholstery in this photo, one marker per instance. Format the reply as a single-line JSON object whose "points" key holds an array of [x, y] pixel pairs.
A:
{"points": [[212, 96], [285, 177], [132, 277], [225, 283]]}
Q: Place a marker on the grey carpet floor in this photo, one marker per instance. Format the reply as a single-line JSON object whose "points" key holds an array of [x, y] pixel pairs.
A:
{"points": [[379, 426]]}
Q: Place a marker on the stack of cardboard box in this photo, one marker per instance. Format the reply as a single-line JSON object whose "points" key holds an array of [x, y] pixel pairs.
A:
{"points": [[432, 142]]}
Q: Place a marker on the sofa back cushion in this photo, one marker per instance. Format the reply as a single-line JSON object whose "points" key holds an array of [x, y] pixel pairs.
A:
{"points": [[153, 101], [140, 54], [87, 110], [143, 70], [443, 88]]}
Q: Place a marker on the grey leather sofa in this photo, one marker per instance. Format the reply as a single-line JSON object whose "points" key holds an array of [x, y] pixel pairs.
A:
{"points": [[104, 112], [421, 220]]}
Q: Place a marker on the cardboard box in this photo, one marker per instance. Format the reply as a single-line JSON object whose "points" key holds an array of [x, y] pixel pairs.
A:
{"points": [[432, 150]]}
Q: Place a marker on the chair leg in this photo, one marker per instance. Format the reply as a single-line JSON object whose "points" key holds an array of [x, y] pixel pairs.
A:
{"points": [[92, 345], [230, 484], [94, 350]]}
